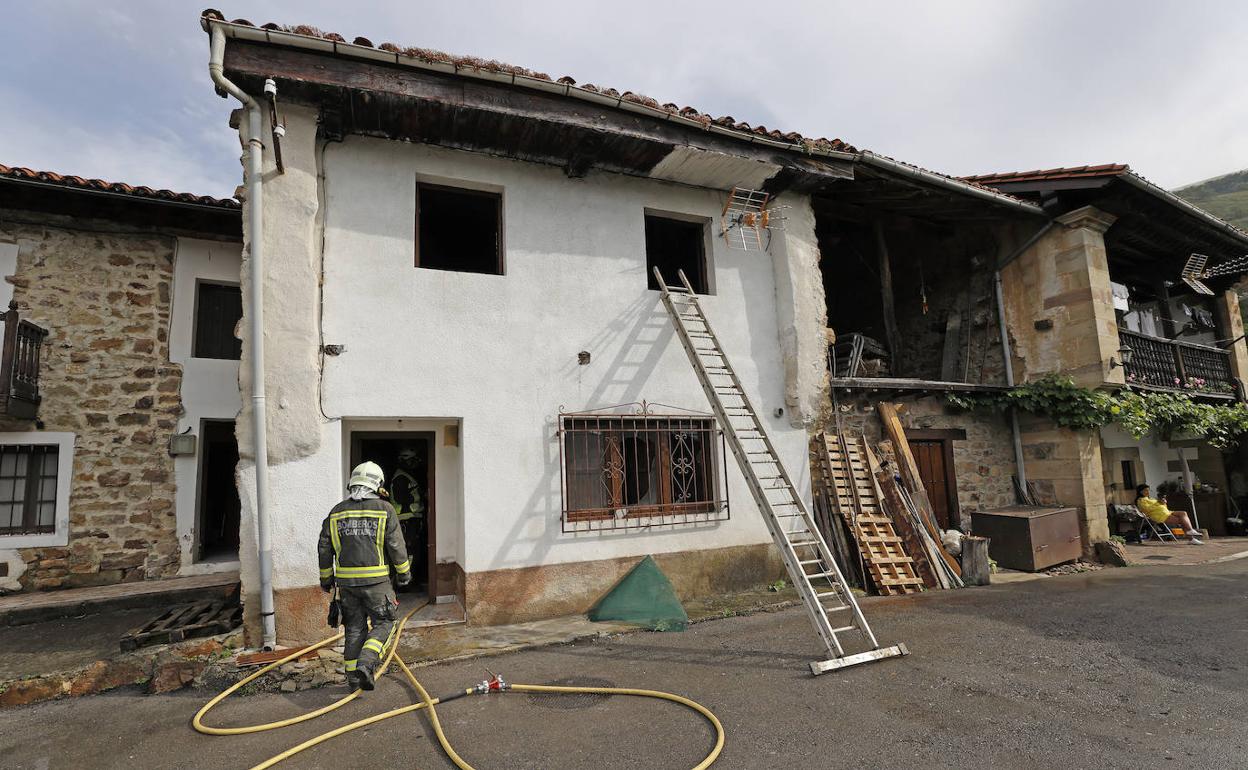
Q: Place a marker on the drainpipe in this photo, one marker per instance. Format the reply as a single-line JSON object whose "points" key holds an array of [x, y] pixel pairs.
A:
{"points": [[255, 201], [1007, 354]]}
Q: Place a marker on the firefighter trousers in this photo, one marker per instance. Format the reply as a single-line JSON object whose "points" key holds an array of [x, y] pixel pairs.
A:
{"points": [[368, 620]]}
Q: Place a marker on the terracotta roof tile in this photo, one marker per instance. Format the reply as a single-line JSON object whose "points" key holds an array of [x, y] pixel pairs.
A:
{"points": [[76, 182], [1050, 174]]}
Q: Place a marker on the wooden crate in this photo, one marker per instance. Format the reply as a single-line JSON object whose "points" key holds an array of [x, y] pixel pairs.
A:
{"points": [[186, 621]]}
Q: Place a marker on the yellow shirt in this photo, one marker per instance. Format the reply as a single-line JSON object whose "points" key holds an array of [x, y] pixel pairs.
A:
{"points": [[1154, 509]]}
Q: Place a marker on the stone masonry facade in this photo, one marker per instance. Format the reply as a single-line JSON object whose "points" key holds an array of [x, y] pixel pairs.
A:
{"points": [[104, 295]]}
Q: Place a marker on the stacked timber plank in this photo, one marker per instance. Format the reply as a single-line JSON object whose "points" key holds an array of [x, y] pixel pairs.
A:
{"points": [[854, 495]]}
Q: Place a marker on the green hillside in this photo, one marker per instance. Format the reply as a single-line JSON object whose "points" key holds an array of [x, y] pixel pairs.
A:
{"points": [[1226, 196]]}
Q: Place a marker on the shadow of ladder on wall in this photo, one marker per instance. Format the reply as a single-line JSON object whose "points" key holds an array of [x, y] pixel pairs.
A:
{"points": [[806, 555], [855, 496]]}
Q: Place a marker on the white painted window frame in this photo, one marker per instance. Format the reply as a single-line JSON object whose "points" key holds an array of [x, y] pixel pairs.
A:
{"points": [[64, 442]]}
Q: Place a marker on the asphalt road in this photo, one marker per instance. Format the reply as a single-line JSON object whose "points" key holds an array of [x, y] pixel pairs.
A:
{"points": [[1128, 668]]}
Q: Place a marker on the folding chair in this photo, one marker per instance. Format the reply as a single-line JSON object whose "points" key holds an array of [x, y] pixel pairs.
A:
{"points": [[1159, 531]]}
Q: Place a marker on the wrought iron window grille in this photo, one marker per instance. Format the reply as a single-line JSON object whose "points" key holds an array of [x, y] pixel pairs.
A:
{"points": [[640, 465]]}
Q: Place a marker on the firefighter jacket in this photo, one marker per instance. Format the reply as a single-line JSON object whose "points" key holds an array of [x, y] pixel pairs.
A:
{"points": [[360, 540], [403, 486]]}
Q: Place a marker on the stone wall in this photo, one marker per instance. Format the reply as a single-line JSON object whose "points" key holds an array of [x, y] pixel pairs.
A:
{"points": [[1059, 304], [983, 462], [104, 296]]}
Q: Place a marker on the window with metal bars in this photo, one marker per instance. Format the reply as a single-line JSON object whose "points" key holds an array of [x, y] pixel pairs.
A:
{"points": [[28, 479], [630, 471]]}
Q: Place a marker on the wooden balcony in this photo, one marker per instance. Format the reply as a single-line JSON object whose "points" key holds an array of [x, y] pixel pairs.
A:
{"points": [[1181, 366], [19, 367]]}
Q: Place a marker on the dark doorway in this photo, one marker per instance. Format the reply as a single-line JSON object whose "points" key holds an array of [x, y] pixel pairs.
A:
{"points": [[934, 456], [383, 448], [218, 506]]}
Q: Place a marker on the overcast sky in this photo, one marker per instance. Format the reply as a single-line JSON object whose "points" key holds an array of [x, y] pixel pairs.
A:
{"points": [[121, 90]]}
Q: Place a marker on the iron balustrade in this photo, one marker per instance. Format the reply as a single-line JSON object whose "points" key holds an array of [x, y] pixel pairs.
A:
{"points": [[627, 471], [1174, 365]]}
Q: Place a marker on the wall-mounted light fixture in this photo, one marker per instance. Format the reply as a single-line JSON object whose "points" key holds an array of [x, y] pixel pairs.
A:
{"points": [[1126, 354]]}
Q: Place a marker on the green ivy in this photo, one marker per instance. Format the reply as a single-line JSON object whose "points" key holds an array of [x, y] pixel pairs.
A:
{"points": [[1138, 413]]}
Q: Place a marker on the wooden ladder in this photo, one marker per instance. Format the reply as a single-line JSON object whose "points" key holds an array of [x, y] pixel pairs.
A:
{"points": [[856, 497]]}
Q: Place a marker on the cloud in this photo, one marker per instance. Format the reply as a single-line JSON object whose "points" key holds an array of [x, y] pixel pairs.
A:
{"points": [[961, 86]]}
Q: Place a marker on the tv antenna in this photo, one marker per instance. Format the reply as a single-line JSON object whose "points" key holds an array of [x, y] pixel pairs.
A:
{"points": [[1197, 271], [749, 218]]}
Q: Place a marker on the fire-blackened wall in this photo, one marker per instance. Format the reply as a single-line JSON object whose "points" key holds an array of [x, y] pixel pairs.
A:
{"points": [[942, 288]]}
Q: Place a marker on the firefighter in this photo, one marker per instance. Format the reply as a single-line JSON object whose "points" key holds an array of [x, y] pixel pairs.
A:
{"points": [[360, 541], [405, 493]]}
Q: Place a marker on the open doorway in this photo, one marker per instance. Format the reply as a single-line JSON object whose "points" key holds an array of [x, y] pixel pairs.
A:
{"points": [[412, 453], [218, 507]]}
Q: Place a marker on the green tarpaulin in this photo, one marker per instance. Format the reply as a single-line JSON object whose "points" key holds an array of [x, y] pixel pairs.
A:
{"points": [[644, 596]]}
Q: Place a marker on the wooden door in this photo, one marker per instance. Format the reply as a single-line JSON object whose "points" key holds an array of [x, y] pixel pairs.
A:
{"points": [[935, 460]]}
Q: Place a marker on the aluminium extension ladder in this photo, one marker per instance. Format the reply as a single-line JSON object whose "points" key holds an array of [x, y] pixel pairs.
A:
{"points": [[806, 555]]}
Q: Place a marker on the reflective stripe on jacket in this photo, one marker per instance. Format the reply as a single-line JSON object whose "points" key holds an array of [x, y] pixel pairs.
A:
{"points": [[359, 541], [416, 507]]}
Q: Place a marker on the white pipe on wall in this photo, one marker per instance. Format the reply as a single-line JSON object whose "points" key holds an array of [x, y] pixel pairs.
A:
{"points": [[255, 211]]}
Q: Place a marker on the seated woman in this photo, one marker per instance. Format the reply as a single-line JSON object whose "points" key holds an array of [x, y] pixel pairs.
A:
{"points": [[1158, 513]]}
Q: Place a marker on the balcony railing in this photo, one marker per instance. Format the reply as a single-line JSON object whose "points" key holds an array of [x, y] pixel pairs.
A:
{"points": [[1174, 365], [19, 366]]}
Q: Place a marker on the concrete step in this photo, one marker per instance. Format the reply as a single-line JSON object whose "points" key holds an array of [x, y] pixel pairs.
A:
{"points": [[35, 607]]}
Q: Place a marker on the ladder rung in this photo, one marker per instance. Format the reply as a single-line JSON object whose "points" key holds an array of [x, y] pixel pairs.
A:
{"points": [[843, 629], [810, 561]]}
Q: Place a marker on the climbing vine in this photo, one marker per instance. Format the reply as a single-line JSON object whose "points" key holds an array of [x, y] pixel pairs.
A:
{"points": [[1138, 413]]}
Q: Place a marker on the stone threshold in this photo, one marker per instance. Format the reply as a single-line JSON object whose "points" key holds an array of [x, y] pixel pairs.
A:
{"points": [[38, 606]]}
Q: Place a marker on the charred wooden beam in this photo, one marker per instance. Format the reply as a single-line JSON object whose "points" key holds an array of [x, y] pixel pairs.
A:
{"points": [[385, 100]]}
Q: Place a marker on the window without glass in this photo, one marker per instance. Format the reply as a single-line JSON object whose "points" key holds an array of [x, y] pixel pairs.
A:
{"points": [[617, 468], [28, 489], [459, 229], [218, 308], [673, 245]]}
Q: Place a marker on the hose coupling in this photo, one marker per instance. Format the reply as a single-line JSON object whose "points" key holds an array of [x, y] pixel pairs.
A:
{"points": [[494, 684]]}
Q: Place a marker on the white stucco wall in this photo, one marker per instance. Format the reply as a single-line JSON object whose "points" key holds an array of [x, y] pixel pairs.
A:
{"points": [[1155, 454], [499, 353], [209, 386]]}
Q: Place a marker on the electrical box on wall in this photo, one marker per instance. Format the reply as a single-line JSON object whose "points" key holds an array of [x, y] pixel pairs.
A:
{"points": [[182, 444]]}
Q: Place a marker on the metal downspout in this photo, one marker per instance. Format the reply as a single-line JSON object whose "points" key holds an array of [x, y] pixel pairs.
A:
{"points": [[1007, 354], [255, 208]]}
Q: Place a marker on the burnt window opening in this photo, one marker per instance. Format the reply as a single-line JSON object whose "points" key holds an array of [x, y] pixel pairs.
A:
{"points": [[619, 470], [459, 230], [673, 245], [218, 308], [28, 479]]}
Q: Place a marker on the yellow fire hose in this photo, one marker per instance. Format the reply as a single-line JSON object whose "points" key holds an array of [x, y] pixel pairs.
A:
{"points": [[494, 685]]}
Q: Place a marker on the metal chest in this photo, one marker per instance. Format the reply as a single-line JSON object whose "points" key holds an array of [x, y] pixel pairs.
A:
{"points": [[1029, 538]]}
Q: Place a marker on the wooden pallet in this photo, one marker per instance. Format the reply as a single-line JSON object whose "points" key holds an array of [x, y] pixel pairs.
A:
{"points": [[186, 621], [856, 497]]}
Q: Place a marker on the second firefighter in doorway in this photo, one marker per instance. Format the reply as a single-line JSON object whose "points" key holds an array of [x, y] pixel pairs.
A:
{"points": [[407, 494], [360, 541]]}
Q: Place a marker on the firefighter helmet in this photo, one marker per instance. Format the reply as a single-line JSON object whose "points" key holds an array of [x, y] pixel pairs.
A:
{"points": [[367, 474]]}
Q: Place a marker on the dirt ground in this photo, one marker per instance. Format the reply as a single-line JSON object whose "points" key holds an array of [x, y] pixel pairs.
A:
{"points": [[1125, 668]]}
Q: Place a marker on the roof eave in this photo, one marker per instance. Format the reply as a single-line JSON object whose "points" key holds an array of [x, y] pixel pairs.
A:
{"points": [[376, 55], [1139, 182], [218, 208], [950, 183]]}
